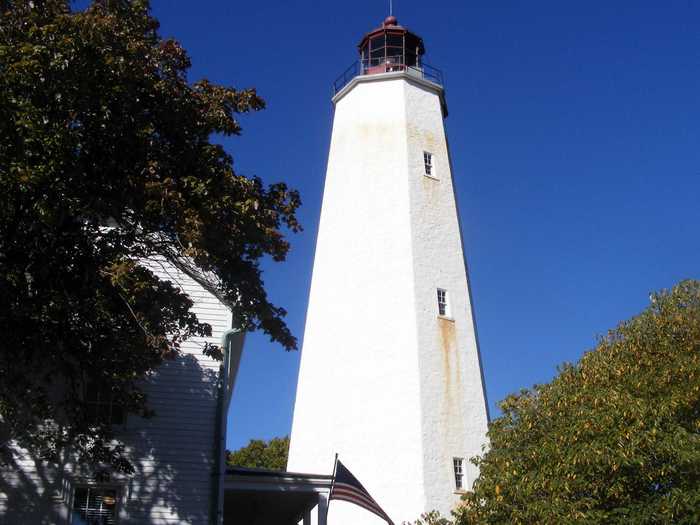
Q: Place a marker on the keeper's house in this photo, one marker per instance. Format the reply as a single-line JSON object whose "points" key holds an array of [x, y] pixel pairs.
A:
{"points": [[178, 454]]}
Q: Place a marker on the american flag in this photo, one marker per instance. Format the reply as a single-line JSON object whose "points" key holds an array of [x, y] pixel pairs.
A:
{"points": [[346, 487]]}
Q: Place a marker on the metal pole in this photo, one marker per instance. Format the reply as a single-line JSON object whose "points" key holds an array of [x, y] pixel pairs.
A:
{"points": [[335, 467]]}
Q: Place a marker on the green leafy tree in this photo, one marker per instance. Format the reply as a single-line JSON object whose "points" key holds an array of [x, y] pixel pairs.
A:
{"points": [[430, 518], [105, 161], [614, 438], [261, 454]]}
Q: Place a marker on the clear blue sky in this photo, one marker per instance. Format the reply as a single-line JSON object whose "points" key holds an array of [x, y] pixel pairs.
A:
{"points": [[575, 140]]}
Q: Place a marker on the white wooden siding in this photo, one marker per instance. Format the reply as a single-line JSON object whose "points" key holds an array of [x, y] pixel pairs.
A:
{"points": [[173, 452]]}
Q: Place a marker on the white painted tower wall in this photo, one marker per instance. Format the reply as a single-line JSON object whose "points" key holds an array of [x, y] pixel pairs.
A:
{"points": [[384, 381]]}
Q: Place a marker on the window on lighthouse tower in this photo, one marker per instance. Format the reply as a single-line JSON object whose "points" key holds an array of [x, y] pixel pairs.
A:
{"points": [[443, 304], [459, 472], [428, 163]]}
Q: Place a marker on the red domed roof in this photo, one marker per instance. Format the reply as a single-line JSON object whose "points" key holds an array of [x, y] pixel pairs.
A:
{"points": [[391, 26]]}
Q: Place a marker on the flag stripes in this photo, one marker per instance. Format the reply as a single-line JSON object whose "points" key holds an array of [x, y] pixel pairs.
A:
{"points": [[351, 494], [346, 487]]}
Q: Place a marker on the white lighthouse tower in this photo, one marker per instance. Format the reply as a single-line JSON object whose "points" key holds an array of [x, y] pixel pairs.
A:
{"points": [[390, 375]]}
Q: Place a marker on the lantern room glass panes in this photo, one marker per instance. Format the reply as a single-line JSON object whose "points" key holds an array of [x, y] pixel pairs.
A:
{"points": [[377, 42], [377, 50], [413, 50], [392, 49], [394, 40]]}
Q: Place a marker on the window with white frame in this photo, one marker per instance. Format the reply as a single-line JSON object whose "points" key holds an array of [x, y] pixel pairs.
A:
{"points": [[428, 164], [443, 304], [101, 405], [94, 505], [459, 472]]}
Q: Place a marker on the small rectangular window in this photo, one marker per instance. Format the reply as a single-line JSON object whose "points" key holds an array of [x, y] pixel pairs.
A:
{"points": [[443, 305], [94, 506], [428, 163], [459, 472]]}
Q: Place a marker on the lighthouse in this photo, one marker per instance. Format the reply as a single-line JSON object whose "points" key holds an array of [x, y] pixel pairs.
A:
{"points": [[390, 376]]}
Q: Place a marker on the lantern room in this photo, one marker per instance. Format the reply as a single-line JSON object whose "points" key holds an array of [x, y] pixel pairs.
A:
{"points": [[390, 51], [390, 48]]}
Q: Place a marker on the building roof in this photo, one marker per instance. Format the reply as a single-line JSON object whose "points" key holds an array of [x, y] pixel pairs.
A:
{"points": [[271, 497], [392, 25]]}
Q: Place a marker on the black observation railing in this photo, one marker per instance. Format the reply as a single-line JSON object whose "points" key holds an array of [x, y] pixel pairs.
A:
{"points": [[375, 66]]}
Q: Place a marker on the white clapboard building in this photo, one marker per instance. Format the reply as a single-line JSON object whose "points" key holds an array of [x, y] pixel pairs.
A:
{"points": [[178, 454], [390, 375]]}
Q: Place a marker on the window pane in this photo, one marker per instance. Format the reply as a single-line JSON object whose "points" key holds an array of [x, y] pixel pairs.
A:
{"points": [[393, 57], [413, 44], [377, 41], [459, 474], [442, 308], [394, 40], [428, 161], [94, 506]]}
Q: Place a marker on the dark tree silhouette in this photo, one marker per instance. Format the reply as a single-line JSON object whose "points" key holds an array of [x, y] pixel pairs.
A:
{"points": [[106, 160]]}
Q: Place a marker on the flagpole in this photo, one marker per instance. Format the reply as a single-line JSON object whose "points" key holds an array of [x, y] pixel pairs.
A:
{"points": [[335, 467]]}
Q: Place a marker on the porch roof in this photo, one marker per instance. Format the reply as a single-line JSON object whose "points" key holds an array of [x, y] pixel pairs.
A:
{"points": [[271, 497]]}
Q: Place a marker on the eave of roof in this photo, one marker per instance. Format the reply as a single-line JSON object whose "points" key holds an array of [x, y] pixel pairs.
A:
{"points": [[244, 471]]}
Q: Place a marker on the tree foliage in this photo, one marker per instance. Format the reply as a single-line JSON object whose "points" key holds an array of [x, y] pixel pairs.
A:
{"points": [[257, 453], [105, 161], [614, 438], [430, 518]]}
